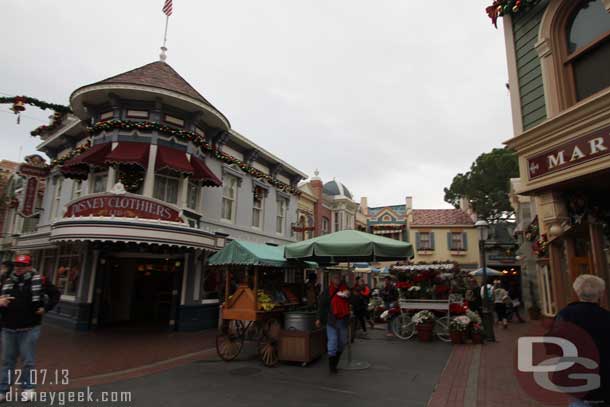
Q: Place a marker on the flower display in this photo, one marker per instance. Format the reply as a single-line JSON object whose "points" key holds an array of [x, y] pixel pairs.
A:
{"points": [[423, 317], [459, 323]]}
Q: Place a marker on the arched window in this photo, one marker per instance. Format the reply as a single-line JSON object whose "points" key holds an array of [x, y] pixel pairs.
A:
{"points": [[584, 32]]}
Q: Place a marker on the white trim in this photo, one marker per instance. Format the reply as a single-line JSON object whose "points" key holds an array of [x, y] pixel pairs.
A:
{"points": [[513, 75]]}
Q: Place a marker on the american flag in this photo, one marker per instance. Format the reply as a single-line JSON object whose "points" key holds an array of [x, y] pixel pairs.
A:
{"points": [[167, 7]]}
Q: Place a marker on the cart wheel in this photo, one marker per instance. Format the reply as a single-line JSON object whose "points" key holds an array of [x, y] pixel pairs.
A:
{"points": [[268, 344], [230, 340], [403, 327], [441, 329]]}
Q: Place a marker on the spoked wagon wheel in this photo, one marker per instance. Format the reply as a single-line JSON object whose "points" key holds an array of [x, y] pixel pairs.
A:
{"points": [[441, 329], [268, 344], [403, 327], [230, 340]]}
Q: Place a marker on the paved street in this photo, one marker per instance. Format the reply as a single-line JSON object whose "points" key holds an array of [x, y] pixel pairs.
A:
{"points": [[402, 373]]}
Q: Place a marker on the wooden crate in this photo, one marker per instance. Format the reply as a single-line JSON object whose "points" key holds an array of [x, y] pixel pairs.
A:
{"points": [[301, 346]]}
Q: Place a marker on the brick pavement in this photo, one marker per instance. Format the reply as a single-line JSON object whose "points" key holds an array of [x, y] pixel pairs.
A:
{"points": [[484, 375]]}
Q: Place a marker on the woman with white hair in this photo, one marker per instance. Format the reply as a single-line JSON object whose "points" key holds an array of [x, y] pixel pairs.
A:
{"points": [[588, 315]]}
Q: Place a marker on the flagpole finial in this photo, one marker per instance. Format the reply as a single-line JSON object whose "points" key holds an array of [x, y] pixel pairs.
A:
{"points": [[163, 55]]}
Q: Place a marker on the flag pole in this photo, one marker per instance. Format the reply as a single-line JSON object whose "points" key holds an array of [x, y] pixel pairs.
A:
{"points": [[163, 55]]}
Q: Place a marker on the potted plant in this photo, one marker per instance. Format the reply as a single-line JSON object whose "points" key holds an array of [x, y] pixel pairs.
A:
{"points": [[457, 328], [476, 333], [424, 323], [475, 319]]}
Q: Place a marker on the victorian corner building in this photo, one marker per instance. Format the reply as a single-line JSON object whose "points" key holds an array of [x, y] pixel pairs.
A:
{"points": [[147, 180], [558, 57]]}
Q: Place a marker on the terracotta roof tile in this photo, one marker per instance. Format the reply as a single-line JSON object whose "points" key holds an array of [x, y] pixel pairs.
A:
{"points": [[159, 75], [431, 217]]}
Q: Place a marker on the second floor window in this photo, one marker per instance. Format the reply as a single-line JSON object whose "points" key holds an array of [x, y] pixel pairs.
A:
{"points": [[77, 188], [457, 241], [325, 226], [98, 182], [192, 196], [166, 188], [257, 209], [587, 54], [229, 197], [337, 222], [56, 209], [281, 215], [425, 241]]}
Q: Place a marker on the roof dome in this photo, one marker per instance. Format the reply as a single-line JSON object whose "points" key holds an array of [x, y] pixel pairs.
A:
{"points": [[335, 188]]}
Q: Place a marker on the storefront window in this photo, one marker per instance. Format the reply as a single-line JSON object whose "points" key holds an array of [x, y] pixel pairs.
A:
{"points": [[98, 182], [166, 188], [210, 283], [47, 267], [68, 269], [192, 198]]}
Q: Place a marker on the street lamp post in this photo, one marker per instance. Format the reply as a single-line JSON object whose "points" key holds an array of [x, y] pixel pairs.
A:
{"points": [[487, 315]]}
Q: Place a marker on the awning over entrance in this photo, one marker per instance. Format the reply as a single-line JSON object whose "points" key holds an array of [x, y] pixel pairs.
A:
{"points": [[202, 173], [129, 153], [170, 159], [79, 165]]}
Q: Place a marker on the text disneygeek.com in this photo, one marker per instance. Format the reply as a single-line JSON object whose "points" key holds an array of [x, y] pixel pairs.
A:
{"points": [[65, 398]]}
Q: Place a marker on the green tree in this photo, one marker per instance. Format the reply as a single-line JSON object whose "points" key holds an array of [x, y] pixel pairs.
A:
{"points": [[486, 185]]}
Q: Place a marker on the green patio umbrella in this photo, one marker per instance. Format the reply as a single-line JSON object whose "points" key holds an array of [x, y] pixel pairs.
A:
{"points": [[349, 246]]}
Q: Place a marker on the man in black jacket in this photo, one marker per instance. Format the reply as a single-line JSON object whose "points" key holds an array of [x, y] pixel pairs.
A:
{"points": [[587, 325], [22, 307]]}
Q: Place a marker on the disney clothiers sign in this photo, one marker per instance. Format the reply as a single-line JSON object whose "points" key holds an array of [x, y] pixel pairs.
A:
{"points": [[122, 206], [583, 149]]}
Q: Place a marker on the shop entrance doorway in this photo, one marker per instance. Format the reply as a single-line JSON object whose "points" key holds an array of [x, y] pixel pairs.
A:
{"points": [[139, 292]]}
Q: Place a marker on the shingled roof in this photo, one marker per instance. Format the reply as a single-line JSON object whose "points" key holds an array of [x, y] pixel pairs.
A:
{"points": [[157, 74], [440, 217]]}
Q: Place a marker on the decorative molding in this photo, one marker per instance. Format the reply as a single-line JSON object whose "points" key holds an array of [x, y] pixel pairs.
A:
{"points": [[274, 170], [251, 156], [543, 47], [258, 184], [221, 139], [235, 172]]}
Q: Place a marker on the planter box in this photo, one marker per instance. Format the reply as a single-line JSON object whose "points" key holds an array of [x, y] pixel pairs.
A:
{"points": [[301, 346]]}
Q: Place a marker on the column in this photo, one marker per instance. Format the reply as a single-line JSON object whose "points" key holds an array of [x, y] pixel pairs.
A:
{"points": [[149, 179]]}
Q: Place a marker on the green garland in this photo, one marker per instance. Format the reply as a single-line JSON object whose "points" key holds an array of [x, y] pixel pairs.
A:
{"points": [[36, 102], [70, 155], [500, 8], [197, 140]]}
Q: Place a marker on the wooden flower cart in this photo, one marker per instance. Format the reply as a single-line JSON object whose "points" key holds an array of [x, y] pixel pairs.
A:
{"points": [[248, 313]]}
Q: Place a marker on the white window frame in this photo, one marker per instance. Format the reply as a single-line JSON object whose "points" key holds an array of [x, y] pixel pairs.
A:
{"points": [[96, 175], [280, 219], [57, 188], [227, 178], [260, 209], [77, 189], [190, 187], [60, 255], [166, 178]]}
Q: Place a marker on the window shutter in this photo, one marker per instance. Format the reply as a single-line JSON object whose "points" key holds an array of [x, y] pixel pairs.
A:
{"points": [[417, 241], [465, 240], [432, 240], [449, 245]]}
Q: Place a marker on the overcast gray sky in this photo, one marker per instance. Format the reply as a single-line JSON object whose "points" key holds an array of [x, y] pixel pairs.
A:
{"points": [[391, 97]]}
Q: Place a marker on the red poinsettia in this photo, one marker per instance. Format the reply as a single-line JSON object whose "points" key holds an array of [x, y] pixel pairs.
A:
{"points": [[404, 285], [457, 309], [441, 289]]}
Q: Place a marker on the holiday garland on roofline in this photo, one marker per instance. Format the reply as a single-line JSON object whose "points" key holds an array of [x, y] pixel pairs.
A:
{"points": [[501, 8], [186, 135]]}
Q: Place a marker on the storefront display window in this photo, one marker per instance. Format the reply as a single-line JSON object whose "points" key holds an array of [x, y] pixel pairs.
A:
{"points": [[49, 259], [68, 269]]}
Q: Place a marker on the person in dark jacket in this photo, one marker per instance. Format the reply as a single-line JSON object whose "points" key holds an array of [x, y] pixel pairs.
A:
{"points": [[22, 307], [389, 295], [359, 309], [584, 317], [334, 312]]}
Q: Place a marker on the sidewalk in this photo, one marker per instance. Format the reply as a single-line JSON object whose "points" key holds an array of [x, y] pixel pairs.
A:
{"points": [[103, 356], [484, 375]]}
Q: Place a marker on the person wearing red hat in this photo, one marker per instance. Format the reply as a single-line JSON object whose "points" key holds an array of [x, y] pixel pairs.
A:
{"points": [[22, 306]]}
